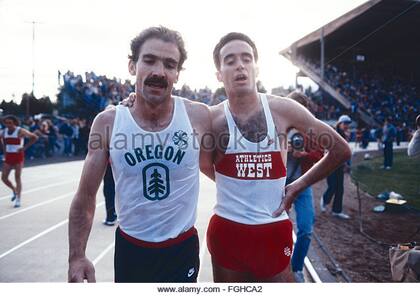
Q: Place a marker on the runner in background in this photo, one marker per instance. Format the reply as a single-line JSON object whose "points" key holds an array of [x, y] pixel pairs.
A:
{"points": [[14, 154]]}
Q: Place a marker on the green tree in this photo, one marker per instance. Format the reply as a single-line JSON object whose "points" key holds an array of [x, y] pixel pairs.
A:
{"points": [[156, 186]]}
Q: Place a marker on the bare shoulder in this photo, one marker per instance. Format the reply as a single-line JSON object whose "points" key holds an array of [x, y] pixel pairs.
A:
{"points": [[218, 116], [102, 126], [282, 104], [288, 113], [196, 108], [286, 107], [24, 132], [217, 110], [199, 115], [105, 118]]}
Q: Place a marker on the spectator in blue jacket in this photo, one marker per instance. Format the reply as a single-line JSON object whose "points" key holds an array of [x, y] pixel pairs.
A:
{"points": [[389, 133]]}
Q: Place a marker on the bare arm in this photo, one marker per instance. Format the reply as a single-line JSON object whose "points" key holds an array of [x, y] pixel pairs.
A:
{"points": [[414, 145], [27, 134], [320, 135], [200, 117], [338, 153], [207, 145], [82, 209]]}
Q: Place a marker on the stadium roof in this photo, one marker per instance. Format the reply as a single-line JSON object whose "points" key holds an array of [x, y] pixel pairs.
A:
{"points": [[383, 31]]}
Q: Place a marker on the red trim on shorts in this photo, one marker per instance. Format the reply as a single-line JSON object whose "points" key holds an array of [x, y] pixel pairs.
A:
{"points": [[230, 163], [263, 250], [165, 244]]}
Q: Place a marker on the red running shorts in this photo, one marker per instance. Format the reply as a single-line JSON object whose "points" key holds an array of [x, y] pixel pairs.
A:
{"points": [[263, 250], [14, 158]]}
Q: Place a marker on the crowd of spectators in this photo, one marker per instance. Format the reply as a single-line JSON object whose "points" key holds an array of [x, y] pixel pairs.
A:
{"points": [[63, 136], [322, 107], [203, 95], [98, 91], [94, 91], [382, 94], [68, 136], [58, 136]]}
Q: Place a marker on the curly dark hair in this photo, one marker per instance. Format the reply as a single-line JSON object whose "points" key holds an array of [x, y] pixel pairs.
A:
{"points": [[13, 118], [163, 34], [226, 39]]}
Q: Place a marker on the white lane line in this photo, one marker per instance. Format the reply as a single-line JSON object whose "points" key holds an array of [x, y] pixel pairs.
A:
{"points": [[203, 249], [312, 271], [34, 238], [9, 196], [40, 235], [309, 266], [37, 205], [102, 255]]}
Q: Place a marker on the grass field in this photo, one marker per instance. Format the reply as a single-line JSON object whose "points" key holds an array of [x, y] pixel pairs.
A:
{"points": [[403, 178]]}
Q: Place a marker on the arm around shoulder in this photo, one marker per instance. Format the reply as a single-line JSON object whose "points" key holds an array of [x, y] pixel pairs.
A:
{"points": [[202, 117]]}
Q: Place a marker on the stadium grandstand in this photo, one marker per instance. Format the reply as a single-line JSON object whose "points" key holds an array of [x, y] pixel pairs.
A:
{"points": [[367, 60]]}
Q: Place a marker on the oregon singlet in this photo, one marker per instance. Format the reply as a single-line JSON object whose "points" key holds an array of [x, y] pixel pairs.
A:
{"points": [[250, 178], [156, 175]]}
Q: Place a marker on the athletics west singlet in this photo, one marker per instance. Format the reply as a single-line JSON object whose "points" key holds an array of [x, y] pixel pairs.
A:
{"points": [[156, 175], [250, 178], [13, 143]]}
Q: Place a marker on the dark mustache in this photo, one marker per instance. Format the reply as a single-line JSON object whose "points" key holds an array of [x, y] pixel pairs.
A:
{"points": [[156, 80]]}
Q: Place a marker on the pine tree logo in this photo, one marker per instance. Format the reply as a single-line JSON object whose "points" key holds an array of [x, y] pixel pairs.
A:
{"points": [[156, 181]]}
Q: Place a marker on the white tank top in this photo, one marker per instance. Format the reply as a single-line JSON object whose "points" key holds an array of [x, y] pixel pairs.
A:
{"points": [[250, 178], [156, 175], [12, 142]]}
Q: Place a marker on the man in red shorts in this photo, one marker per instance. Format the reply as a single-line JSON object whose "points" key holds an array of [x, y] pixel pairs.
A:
{"points": [[13, 148], [250, 235]]}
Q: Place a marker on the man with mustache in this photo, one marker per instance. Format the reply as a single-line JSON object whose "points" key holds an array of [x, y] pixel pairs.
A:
{"points": [[155, 152], [250, 235]]}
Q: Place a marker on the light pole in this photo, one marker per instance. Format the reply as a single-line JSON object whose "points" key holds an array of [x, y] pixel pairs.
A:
{"points": [[33, 64]]}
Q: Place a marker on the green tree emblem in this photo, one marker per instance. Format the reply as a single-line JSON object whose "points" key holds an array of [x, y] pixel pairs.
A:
{"points": [[155, 181], [156, 186]]}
